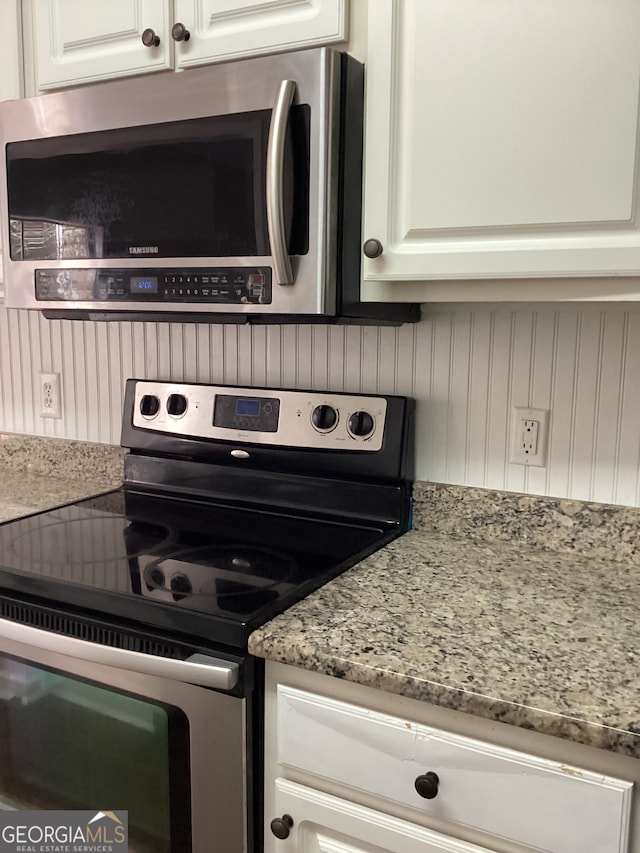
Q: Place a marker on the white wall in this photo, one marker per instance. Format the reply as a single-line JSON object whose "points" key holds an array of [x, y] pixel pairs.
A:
{"points": [[466, 368]]}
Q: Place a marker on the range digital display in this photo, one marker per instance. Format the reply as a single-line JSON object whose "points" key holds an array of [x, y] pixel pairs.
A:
{"points": [[143, 284], [256, 414], [248, 408]]}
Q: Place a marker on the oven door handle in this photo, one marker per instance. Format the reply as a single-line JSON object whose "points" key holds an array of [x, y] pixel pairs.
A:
{"points": [[275, 182], [199, 669]]}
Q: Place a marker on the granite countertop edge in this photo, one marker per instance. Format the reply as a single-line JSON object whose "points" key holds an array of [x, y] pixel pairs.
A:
{"points": [[454, 698], [453, 623]]}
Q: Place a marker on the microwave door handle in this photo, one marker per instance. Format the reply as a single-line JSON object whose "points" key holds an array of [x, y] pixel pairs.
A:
{"points": [[199, 669], [275, 182]]}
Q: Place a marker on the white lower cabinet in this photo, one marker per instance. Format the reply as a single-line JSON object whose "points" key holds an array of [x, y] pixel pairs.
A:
{"points": [[326, 824], [353, 777]]}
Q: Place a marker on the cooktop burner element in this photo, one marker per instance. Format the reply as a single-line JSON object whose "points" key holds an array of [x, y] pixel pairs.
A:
{"points": [[66, 537], [235, 504]]}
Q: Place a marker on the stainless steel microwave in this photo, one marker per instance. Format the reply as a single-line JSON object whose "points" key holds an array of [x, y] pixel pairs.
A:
{"points": [[224, 193]]}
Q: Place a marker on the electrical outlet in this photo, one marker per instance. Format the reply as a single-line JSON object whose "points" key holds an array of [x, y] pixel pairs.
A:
{"points": [[50, 396], [529, 437]]}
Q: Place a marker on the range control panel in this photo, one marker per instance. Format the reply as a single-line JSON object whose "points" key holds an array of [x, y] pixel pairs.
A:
{"points": [[308, 419], [229, 285]]}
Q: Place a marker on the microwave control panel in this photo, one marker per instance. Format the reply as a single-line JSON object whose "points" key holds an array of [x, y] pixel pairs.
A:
{"points": [[229, 285]]}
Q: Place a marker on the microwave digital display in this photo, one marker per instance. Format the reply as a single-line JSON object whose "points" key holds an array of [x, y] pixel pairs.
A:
{"points": [[143, 284]]}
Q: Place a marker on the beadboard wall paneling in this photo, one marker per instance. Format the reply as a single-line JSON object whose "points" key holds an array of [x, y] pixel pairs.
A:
{"points": [[466, 368]]}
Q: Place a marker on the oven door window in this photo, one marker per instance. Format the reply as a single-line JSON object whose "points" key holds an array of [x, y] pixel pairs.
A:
{"points": [[188, 189], [69, 744]]}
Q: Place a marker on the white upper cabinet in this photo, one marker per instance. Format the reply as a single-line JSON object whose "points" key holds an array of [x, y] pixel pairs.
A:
{"points": [[501, 143], [80, 42], [226, 29], [10, 63], [10, 53]]}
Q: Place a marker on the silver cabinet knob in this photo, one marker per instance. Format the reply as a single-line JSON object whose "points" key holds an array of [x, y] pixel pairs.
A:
{"points": [[372, 248], [150, 38], [179, 32], [281, 826]]}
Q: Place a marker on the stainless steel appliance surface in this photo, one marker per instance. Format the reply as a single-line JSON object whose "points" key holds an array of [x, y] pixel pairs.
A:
{"points": [[223, 193], [125, 681]]}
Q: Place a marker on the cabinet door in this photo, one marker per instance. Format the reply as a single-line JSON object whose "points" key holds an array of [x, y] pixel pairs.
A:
{"points": [[10, 66], [10, 60], [502, 139], [227, 29], [326, 824], [81, 42]]}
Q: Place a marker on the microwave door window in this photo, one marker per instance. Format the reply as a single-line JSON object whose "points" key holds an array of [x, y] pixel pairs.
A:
{"points": [[189, 189]]}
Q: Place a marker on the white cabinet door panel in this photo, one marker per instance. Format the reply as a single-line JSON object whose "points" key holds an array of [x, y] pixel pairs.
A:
{"points": [[10, 66], [325, 824], [502, 139], [10, 53], [79, 42], [226, 29]]}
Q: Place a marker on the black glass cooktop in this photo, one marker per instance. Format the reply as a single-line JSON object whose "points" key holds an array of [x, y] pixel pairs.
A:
{"points": [[208, 570]]}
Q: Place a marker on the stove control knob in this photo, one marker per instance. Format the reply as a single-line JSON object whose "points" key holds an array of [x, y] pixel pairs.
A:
{"points": [[361, 424], [281, 826], [177, 405], [324, 418], [149, 406]]}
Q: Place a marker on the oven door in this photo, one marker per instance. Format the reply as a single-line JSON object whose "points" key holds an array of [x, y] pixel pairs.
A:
{"points": [[87, 726]]}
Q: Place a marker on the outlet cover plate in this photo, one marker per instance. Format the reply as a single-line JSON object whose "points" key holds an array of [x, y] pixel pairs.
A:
{"points": [[532, 458], [50, 395]]}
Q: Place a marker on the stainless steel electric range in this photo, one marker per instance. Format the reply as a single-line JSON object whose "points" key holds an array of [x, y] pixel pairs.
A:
{"points": [[125, 681]]}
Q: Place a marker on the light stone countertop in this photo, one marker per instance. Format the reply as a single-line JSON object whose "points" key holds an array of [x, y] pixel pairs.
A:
{"points": [[39, 473], [22, 493], [547, 638]]}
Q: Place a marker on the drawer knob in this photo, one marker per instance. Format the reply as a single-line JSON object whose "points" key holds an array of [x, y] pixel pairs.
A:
{"points": [[281, 826], [427, 785]]}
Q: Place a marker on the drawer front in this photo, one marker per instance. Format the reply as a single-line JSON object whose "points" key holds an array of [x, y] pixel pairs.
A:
{"points": [[528, 800]]}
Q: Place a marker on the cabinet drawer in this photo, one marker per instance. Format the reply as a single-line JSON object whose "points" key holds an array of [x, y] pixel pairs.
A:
{"points": [[535, 802]]}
